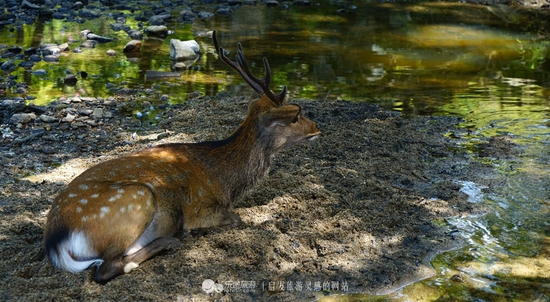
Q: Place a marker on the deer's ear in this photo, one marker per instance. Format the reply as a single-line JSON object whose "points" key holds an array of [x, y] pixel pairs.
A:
{"points": [[281, 116]]}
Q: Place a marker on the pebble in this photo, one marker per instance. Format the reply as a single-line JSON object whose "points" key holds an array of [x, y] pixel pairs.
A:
{"points": [[48, 150], [70, 80], [69, 118], [135, 34], [157, 30], [47, 118], [35, 58], [98, 113], [26, 64], [89, 44], [40, 72], [22, 118], [132, 46], [51, 58]]}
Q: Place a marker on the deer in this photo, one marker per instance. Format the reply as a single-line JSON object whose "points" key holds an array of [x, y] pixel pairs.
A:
{"points": [[121, 212]]}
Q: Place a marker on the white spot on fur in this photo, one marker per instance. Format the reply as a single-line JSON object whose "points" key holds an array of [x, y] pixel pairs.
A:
{"points": [[122, 209], [78, 209], [141, 193], [134, 196], [130, 206], [111, 199], [94, 195], [83, 187], [105, 210], [120, 190], [84, 218], [71, 195], [84, 201]]}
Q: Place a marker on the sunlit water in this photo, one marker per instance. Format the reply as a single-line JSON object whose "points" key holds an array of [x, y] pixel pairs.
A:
{"points": [[477, 62]]}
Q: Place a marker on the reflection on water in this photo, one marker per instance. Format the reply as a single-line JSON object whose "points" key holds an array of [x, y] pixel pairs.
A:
{"points": [[419, 58]]}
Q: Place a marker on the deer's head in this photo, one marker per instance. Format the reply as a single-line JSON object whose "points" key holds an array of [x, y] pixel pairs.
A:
{"points": [[278, 121]]}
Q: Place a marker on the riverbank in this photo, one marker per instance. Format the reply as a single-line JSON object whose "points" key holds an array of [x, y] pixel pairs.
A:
{"points": [[361, 209]]}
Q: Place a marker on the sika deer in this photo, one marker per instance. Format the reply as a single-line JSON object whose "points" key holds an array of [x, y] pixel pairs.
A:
{"points": [[122, 212]]}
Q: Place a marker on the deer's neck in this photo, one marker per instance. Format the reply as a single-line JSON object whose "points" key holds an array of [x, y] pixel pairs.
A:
{"points": [[240, 161]]}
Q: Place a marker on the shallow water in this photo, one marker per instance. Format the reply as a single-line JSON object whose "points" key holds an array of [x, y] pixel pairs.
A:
{"points": [[477, 62]]}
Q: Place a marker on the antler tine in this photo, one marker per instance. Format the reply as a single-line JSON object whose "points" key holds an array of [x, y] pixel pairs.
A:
{"points": [[265, 82], [220, 51], [261, 86]]}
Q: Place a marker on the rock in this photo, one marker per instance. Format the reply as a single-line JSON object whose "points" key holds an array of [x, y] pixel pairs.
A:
{"points": [[70, 80], [234, 2], [119, 27], [179, 66], [58, 16], [35, 58], [40, 72], [63, 47], [98, 38], [184, 50], [15, 49], [8, 66], [135, 34], [50, 58], [157, 30], [160, 19], [22, 118], [153, 74], [49, 49], [98, 113], [27, 5], [69, 118], [48, 150], [30, 51], [47, 118], [89, 44], [186, 15], [271, 3], [204, 15], [26, 64], [224, 11], [110, 53], [88, 13], [108, 114], [132, 46]]}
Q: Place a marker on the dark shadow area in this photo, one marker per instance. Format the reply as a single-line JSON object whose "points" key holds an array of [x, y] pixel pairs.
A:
{"points": [[361, 206]]}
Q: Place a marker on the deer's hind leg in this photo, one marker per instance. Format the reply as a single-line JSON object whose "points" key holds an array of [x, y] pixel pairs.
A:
{"points": [[115, 263]]}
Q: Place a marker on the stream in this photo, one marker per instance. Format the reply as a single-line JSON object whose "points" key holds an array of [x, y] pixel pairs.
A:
{"points": [[479, 62]]}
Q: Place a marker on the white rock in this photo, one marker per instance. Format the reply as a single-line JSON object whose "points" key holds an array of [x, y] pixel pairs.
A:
{"points": [[184, 50]]}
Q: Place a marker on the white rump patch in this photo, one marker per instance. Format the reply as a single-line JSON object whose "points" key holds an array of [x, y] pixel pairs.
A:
{"points": [[75, 254]]}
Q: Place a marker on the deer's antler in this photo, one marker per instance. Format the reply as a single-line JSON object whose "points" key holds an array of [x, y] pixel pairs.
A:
{"points": [[261, 86]]}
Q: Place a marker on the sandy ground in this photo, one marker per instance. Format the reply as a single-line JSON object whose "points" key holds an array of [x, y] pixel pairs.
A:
{"points": [[360, 209]]}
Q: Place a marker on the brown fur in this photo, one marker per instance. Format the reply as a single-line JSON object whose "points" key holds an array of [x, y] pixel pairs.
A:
{"points": [[171, 187]]}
